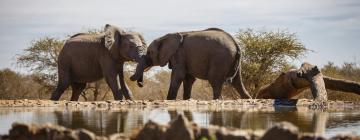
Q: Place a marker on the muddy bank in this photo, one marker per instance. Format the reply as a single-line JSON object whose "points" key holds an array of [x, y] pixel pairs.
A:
{"points": [[178, 129], [126, 103]]}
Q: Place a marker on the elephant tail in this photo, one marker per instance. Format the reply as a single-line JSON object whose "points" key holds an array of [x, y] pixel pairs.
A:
{"points": [[236, 65], [78, 34]]}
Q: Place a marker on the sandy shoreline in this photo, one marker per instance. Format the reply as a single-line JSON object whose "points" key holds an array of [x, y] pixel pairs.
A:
{"points": [[180, 103]]}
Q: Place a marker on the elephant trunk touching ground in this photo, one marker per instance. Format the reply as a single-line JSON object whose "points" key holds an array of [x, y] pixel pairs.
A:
{"points": [[293, 82]]}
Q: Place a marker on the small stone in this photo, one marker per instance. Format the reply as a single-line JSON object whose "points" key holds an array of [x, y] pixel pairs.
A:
{"points": [[84, 134], [180, 129], [20, 131], [311, 137], [225, 134], [118, 136], [151, 131], [282, 131], [345, 137]]}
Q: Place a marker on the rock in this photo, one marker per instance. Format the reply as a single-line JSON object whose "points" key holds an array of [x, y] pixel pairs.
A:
{"points": [[118, 136], [151, 131], [4, 137], [311, 137], [225, 134], [345, 137], [84, 134], [20, 131], [180, 129], [207, 133], [282, 131]]}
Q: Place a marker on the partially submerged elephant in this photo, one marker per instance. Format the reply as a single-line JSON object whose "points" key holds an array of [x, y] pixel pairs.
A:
{"points": [[88, 58], [210, 54], [291, 83]]}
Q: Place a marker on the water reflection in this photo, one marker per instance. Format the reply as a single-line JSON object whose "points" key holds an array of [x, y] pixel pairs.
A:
{"points": [[109, 121], [306, 120]]}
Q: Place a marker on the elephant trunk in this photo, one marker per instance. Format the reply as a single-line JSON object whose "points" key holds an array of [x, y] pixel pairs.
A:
{"points": [[141, 66], [138, 75], [317, 87]]}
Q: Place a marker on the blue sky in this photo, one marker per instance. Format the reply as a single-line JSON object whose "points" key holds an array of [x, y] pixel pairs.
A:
{"points": [[331, 28]]}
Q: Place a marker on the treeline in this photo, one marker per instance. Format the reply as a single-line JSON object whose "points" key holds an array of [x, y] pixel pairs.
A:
{"points": [[264, 55]]}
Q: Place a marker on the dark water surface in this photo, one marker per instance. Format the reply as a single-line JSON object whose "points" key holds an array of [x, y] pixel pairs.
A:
{"points": [[109, 121]]}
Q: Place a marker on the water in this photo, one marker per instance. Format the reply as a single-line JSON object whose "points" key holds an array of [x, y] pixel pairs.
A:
{"points": [[127, 120]]}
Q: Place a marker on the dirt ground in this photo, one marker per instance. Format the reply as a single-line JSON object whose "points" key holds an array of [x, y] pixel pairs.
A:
{"points": [[176, 103]]}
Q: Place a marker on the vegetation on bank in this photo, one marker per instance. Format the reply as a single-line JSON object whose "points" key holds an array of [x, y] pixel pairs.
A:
{"points": [[265, 54]]}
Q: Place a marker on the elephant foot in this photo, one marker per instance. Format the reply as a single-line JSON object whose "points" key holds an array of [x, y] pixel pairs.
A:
{"points": [[126, 94], [55, 98], [118, 97]]}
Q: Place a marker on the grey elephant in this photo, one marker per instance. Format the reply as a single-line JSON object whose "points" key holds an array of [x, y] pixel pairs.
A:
{"points": [[210, 54], [293, 82], [87, 58]]}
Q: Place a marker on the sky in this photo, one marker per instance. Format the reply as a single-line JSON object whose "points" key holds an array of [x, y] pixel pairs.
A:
{"points": [[331, 28]]}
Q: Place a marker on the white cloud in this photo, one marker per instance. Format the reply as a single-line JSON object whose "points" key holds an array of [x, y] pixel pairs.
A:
{"points": [[320, 24]]}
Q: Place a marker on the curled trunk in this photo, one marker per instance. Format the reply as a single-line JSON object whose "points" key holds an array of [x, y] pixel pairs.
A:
{"points": [[142, 66]]}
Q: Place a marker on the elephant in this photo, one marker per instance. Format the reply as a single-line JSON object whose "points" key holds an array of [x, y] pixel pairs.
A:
{"points": [[211, 54], [90, 57], [293, 82]]}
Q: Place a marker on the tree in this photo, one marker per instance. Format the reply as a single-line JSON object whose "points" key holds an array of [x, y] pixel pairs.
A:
{"points": [[17, 86], [41, 58], [265, 54]]}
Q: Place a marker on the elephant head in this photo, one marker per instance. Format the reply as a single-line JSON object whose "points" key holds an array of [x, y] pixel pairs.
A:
{"points": [[312, 74], [125, 46], [159, 53], [130, 45]]}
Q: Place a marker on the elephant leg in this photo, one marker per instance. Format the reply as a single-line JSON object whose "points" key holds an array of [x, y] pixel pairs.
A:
{"points": [[187, 85], [63, 84], [124, 88], [239, 86], [217, 74], [126, 92], [217, 87], [176, 80], [110, 74], [112, 83], [77, 88]]}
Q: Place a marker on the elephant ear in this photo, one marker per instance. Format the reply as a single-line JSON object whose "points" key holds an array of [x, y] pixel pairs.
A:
{"points": [[112, 35], [168, 47], [142, 40]]}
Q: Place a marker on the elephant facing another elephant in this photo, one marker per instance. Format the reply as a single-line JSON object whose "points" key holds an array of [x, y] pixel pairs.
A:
{"points": [[87, 58], [210, 54]]}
